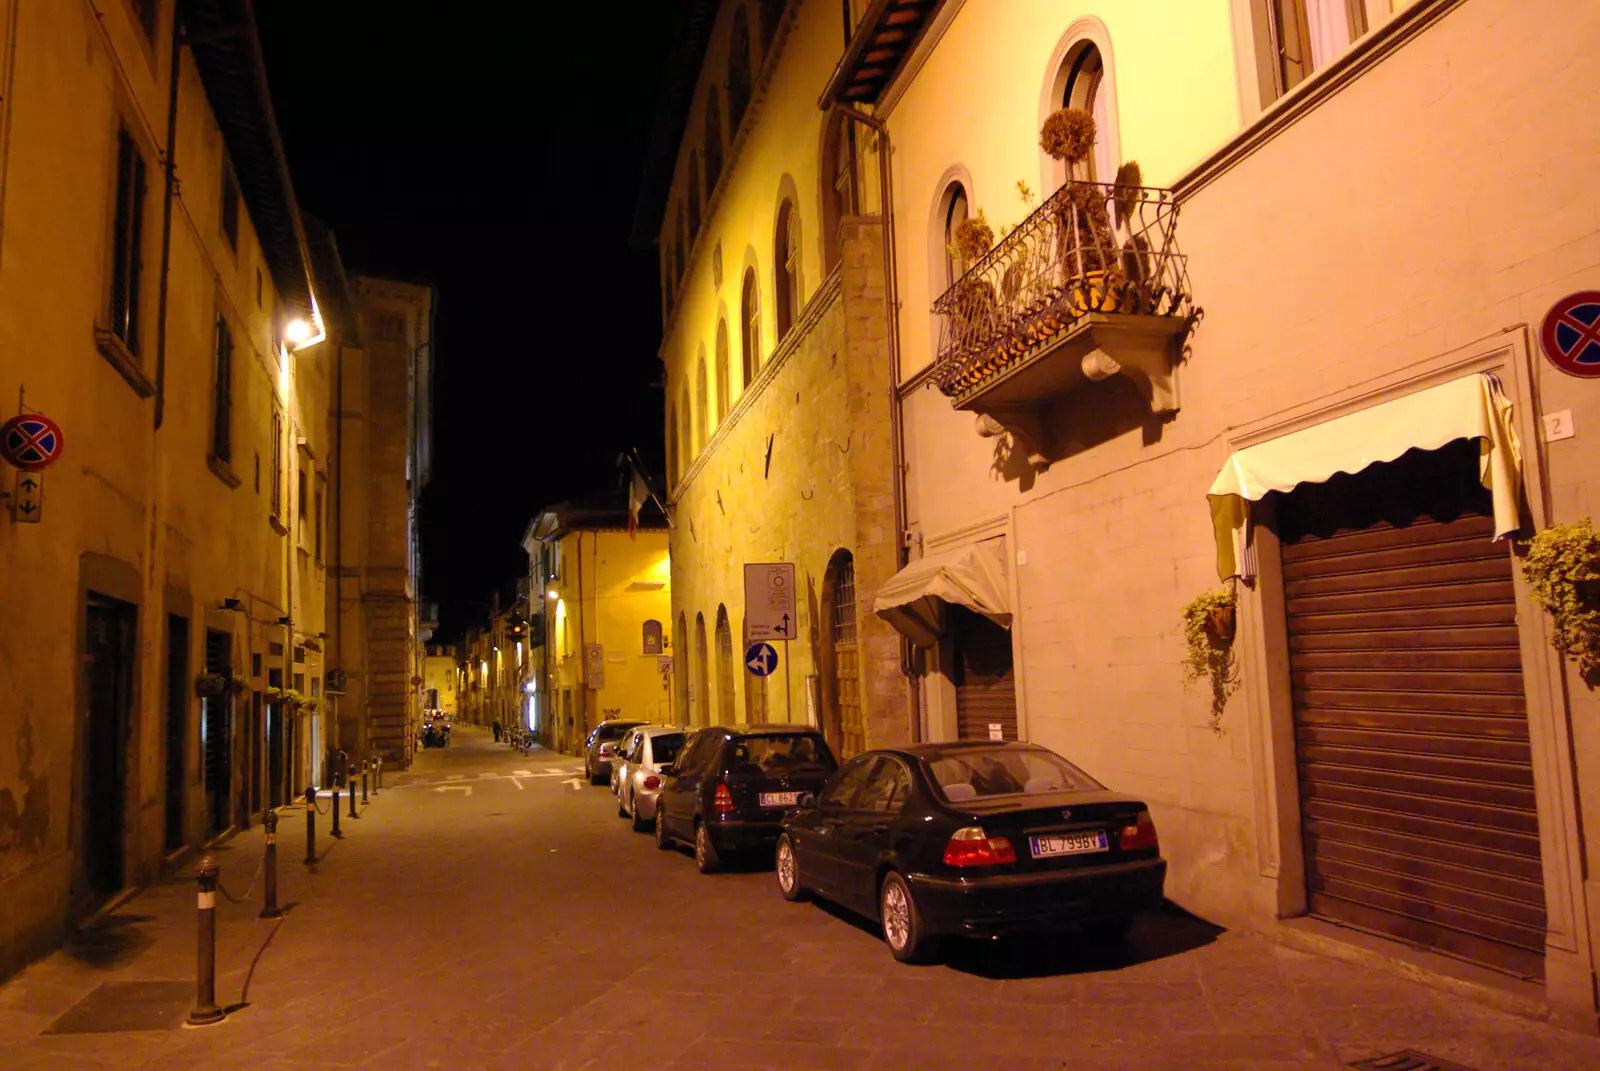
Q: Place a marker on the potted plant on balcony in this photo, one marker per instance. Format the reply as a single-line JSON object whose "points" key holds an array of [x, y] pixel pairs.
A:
{"points": [[1086, 244]]}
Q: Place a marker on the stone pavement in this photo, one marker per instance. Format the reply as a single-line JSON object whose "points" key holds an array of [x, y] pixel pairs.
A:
{"points": [[492, 913]]}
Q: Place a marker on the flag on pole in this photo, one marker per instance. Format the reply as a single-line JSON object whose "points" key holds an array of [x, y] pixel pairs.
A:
{"points": [[637, 494]]}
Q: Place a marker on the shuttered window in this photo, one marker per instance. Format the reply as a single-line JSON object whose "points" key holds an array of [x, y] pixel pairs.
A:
{"points": [[222, 395], [986, 685], [1411, 727], [127, 241]]}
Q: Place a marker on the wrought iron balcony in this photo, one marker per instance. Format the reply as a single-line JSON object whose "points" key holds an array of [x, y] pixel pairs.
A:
{"points": [[1090, 285]]}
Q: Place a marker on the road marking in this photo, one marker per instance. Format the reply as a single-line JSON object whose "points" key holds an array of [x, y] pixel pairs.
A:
{"points": [[455, 788], [457, 777], [489, 775], [521, 773], [515, 780], [575, 782]]}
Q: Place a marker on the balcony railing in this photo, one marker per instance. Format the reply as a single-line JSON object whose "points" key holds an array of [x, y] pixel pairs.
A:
{"points": [[1090, 248]]}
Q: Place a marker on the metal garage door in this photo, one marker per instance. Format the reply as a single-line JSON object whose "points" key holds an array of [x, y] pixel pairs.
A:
{"points": [[1411, 730], [986, 686]]}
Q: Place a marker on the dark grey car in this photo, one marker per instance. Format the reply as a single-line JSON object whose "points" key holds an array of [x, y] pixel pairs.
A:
{"points": [[601, 745]]}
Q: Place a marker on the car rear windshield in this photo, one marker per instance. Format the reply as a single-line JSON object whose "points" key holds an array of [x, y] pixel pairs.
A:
{"points": [[665, 748], [983, 773], [611, 732], [779, 754]]}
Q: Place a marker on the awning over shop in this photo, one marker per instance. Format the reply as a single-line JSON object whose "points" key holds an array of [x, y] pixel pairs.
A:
{"points": [[973, 576], [1470, 408]]}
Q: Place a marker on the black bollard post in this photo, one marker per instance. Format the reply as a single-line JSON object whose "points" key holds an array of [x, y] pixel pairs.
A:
{"points": [[311, 827], [205, 990], [269, 865], [350, 782], [335, 831], [365, 763]]}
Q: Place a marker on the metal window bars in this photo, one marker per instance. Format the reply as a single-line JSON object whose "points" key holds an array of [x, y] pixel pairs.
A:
{"points": [[1091, 247]]}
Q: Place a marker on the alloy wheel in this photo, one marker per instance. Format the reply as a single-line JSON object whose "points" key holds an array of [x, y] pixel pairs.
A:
{"points": [[896, 915]]}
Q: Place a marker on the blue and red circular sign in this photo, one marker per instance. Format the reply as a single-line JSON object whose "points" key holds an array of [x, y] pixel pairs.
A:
{"points": [[31, 442], [1570, 334]]}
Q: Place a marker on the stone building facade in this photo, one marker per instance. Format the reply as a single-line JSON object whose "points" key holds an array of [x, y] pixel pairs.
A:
{"points": [[776, 355], [1373, 219]]}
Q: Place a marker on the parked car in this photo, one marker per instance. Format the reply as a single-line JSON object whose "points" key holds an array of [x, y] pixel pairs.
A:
{"points": [[599, 746], [730, 787], [646, 759], [972, 839], [623, 746]]}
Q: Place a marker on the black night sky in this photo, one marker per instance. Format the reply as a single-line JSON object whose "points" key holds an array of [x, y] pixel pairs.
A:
{"points": [[495, 151]]}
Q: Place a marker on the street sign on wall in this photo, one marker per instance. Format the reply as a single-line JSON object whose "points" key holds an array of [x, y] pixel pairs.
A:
{"points": [[594, 661], [761, 659], [32, 442], [27, 501], [1570, 334], [769, 601]]}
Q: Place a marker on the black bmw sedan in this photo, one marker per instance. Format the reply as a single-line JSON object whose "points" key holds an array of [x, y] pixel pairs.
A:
{"points": [[974, 839]]}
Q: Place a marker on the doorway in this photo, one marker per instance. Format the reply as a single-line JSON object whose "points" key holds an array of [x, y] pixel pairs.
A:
{"points": [[108, 659], [842, 666], [985, 678], [177, 727], [216, 734]]}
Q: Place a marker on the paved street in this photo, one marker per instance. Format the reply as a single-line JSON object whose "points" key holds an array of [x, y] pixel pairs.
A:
{"points": [[489, 912]]}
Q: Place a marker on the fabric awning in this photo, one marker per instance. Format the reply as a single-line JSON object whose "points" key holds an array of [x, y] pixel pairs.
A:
{"points": [[973, 576], [1471, 408]]}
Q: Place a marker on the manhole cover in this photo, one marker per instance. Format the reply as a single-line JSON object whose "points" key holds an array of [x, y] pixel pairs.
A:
{"points": [[1408, 1060], [115, 1007]]}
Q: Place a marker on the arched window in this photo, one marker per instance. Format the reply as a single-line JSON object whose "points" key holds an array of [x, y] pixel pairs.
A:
{"points": [[843, 723], [680, 670], [680, 245], [738, 69], [955, 213], [786, 267], [672, 444], [750, 328], [685, 427], [770, 11], [692, 180], [755, 689], [702, 432], [713, 140], [651, 637], [724, 391], [725, 672], [702, 683], [1081, 83], [841, 172]]}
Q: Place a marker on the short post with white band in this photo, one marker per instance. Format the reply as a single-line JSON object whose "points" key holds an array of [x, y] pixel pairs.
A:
{"points": [[205, 993]]}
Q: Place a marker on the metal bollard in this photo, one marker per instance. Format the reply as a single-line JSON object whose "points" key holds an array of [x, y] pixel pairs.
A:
{"points": [[377, 775], [269, 865], [205, 990], [351, 783], [335, 831], [311, 827], [364, 766]]}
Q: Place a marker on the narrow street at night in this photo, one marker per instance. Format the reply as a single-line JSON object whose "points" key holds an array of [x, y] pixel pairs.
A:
{"points": [[491, 911]]}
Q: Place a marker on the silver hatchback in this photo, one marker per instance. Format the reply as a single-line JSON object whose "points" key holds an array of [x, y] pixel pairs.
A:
{"points": [[649, 758]]}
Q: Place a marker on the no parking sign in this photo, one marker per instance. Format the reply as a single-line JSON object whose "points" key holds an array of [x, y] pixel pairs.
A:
{"points": [[1570, 334]]}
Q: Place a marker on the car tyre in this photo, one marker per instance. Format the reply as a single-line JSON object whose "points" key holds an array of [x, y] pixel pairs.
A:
{"points": [[787, 866], [903, 929], [663, 841], [706, 859], [639, 824], [622, 807]]}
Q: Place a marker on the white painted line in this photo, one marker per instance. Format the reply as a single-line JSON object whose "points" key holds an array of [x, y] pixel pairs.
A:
{"points": [[515, 780], [457, 777], [575, 782], [489, 776], [455, 788], [522, 773]]}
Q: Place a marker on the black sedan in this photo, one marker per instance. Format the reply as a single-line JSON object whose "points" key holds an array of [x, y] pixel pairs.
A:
{"points": [[972, 839]]}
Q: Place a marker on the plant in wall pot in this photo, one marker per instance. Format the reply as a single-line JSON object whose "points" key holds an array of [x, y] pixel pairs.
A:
{"points": [[238, 685], [1562, 566], [210, 685], [1208, 631]]}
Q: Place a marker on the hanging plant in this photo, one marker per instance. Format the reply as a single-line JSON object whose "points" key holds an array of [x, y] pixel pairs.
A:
{"points": [[210, 685], [1562, 566], [1208, 632], [311, 706], [238, 685]]}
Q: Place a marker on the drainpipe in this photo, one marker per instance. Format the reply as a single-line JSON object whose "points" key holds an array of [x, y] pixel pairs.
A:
{"points": [[891, 305], [7, 80], [174, 73]]}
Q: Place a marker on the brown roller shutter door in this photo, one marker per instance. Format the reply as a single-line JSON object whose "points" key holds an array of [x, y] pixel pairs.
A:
{"points": [[1411, 729], [986, 686]]}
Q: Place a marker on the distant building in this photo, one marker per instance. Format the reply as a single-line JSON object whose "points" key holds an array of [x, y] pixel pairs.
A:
{"points": [[601, 640], [441, 678]]}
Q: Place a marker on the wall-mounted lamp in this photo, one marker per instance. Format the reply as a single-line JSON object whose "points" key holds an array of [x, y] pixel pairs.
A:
{"points": [[554, 594], [231, 604], [283, 620]]}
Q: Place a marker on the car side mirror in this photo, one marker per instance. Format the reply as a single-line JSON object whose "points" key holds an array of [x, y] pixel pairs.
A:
{"points": [[665, 769], [806, 799]]}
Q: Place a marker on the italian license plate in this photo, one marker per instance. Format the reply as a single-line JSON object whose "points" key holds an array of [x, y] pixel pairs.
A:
{"points": [[779, 799], [1046, 845]]}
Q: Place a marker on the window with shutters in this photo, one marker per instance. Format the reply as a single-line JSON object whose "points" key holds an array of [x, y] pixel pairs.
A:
{"points": [[276, 504], [686, 430], [713, 140], [127, 242], [738, 69], [322, 483], [842, 200], [701, 426], [230, 213], [724, 387], [222, 395], [302, 504], [1295, 38], [750, 328], [786, 267]]}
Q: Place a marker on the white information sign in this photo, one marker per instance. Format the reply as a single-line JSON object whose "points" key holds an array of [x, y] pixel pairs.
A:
{"points": [[769, 602]]}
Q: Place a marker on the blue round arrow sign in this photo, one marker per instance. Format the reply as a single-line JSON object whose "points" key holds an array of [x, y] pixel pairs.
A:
{"points": [[761, 659]]}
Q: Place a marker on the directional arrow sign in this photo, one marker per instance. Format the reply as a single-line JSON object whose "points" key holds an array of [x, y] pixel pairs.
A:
{"points": [[455, 788], [761, 659], [27, 505], [769, 609], [577, 783]]}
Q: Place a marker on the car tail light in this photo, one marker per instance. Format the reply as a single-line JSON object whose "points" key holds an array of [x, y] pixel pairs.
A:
{"points": [[1139, 834], [652, 782], [973, 847], [724, 801]]}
